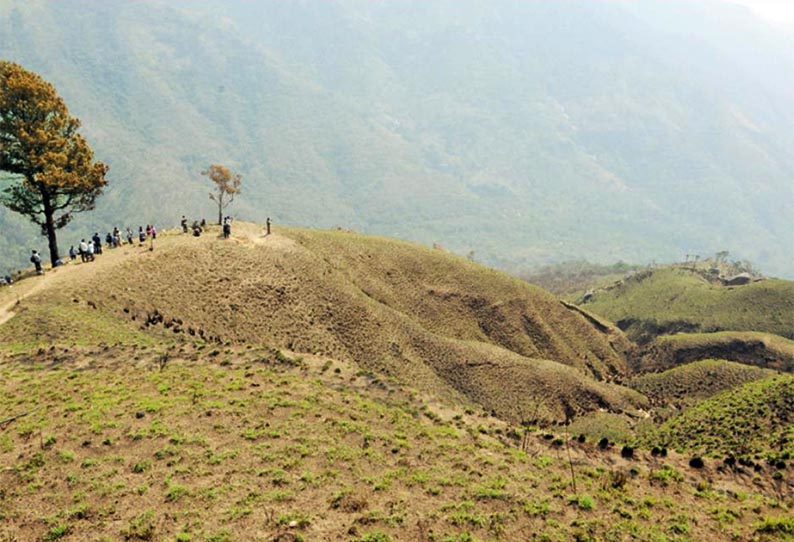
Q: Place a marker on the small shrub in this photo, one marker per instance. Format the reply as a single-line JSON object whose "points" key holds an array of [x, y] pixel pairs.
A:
{"points": [[618, 479], [777, 526], [79, 512], [665, 475], [224, 535], [696, 463], [141, 527], [57, 532], [375, 536], [66, 456], [140, 467], [294, 519], [175, 493], [584, 502]]}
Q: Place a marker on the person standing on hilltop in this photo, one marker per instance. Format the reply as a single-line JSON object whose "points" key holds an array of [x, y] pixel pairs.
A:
{"points": [[267, 225], [141, 235], [129, 236], [91, 251], [97, 243], [36, 261], [72, 253], [227, 227], [83, 251], [183, 222], [154, 232]]}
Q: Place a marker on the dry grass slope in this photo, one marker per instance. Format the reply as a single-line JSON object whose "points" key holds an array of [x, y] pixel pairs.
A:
{"points": [[754, 420], [205, 444], [254, 389], [693, 382], [752, 348], [438, 321]]}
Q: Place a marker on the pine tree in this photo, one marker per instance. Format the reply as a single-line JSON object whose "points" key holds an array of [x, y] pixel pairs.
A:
{"points": [[53, 172]]}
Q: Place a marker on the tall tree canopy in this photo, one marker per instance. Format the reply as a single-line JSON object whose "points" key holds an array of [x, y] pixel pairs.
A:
{"points": [[227, 184], [54, 174]]}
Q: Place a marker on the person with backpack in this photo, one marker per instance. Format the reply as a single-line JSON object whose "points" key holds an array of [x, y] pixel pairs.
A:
{"points": [[141, 235], [36, 261]]}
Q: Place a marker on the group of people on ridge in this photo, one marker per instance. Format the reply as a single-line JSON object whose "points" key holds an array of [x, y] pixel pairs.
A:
{"points": [[87, 250]]}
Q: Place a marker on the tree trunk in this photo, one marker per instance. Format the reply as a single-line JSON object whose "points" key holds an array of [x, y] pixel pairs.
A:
{"points": [[220, 208], [49, 226]]}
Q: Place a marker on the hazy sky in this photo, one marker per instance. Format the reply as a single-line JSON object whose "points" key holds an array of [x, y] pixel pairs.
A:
{"points": [[780, 11]]}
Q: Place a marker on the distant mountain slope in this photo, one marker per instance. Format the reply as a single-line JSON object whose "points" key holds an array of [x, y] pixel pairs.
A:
{"points": [[438, 321], [525, 131], [669, 300]]}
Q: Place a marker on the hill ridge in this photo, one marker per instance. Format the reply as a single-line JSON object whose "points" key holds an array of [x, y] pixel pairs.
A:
{"points": [[413, 313]]}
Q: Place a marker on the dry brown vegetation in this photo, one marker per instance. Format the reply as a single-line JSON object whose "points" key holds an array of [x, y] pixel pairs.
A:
{"points": [[687, 385], [330, 386], [748, 347], [423, 316], [191, 443]]}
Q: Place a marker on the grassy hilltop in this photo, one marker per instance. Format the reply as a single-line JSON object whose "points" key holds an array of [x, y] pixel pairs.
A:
{"points": [[423, 316], [672, 299], [315, 385]]}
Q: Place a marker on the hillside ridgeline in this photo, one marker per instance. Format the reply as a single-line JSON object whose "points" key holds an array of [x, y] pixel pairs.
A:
{"points": [[748, 347], [438, 321], [673, 300]]}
